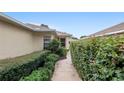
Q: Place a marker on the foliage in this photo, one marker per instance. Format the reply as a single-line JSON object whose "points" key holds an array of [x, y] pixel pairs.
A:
{"points": [[83, 36], [50, 61], [44, 73], [62, 52], [15, 68], [100, 58], [55, 47]]}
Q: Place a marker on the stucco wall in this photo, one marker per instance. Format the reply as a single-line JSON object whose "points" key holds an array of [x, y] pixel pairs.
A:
{"points": [[17, 41], [39, 39], [14, 40], [68, 39]]}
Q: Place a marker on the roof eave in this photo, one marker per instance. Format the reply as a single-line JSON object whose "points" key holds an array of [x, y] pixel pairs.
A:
{"points": [[13, 21]]}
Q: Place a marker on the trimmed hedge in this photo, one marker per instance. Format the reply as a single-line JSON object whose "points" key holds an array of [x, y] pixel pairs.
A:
{"points": [[15, 68], [100, 58], [44, 73]]}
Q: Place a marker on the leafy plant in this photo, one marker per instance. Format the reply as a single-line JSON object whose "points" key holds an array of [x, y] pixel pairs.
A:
{"points": [[55, 47], [43, 73], [21, 66], [100, 58], [62, 52]]}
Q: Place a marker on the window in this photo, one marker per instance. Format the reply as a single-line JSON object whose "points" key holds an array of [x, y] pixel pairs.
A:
{"points": [[47, 40]]}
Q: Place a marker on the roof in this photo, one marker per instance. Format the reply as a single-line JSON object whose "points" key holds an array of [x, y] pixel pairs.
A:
{"points": [[39, 28], [62, 33], [119, 28], [45, 28], [13, 21], [32, 27]]}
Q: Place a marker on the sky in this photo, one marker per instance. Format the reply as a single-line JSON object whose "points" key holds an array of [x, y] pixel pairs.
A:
{"points": [[76, 23]]}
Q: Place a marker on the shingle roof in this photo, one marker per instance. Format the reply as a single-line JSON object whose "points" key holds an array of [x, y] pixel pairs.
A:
{"points": [[40, 28], [62, 33], [111, 30], [43, 27]]}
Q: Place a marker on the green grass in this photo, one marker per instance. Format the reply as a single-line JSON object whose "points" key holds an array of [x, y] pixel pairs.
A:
{"points": [[7, 63]]}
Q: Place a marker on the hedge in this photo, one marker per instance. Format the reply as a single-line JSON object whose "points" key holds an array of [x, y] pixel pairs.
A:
{"points": [[15, 68], [43, 73], [100, 58]]}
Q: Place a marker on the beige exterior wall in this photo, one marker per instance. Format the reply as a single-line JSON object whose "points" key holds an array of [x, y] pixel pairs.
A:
{"points": [[17, 41], [68, 39], [39, 40], [14, 41]]}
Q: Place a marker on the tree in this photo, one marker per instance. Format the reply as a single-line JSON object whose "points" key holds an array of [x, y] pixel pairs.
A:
{"points": [[83, 36]]}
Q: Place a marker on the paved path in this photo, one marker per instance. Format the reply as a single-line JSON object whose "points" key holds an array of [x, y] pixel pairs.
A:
{"points": [[64, 71]]}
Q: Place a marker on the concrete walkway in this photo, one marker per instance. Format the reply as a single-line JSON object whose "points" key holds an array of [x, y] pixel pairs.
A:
{"points": [[64, 71]]}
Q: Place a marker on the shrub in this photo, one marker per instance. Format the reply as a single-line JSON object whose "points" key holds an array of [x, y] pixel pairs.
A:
{"points": [[55, 47], [16, 68], [50, 61], [44, 73], [62, 52], [100, 58], [52, 57]]}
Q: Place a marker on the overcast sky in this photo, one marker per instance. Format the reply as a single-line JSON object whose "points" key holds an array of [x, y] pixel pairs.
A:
{"points": [[76, 23]]}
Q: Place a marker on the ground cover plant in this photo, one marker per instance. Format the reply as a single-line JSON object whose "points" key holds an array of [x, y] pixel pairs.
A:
{"points": [[100, 58]]}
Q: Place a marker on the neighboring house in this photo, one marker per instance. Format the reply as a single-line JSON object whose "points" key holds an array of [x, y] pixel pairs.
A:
{"points": [[114, 30], [17, 38]]}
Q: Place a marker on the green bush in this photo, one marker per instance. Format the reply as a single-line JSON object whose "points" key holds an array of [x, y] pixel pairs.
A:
{"points": [[55, 47], [15, 68], [62, 52], [50, 61], [52, 57], [100, 58], [44, 73]]}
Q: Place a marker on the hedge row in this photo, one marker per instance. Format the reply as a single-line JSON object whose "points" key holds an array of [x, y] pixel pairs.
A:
{"points": [[100, 58], [43, 73], [15, 68]]}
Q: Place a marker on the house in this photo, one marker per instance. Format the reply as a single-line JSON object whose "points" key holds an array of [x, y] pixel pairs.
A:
{"points": [[114, 30], [18, 38]]}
